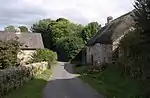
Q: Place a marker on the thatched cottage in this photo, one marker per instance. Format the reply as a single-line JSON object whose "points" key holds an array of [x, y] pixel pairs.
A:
{"points": [[101, 46], [30, 42]]}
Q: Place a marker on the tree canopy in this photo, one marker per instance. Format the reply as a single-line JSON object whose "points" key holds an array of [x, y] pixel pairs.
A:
{"points": [[10, 29], [89, 30], [53, 30], [44, 27], [69, 47], [23, 29], [142, 14], [142, 18]]}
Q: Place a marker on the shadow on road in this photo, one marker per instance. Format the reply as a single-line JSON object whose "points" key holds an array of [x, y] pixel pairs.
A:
{"points": [[69, 68]]}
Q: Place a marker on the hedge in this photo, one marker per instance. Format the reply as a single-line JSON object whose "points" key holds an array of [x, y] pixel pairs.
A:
{"points": [[15, 77], [8, 53]]}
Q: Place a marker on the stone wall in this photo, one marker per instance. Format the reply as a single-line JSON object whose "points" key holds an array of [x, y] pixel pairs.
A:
{"points": [[98, 54], [25, 55], [15, 77]]}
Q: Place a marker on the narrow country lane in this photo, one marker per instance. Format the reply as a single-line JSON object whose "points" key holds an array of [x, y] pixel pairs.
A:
{"points": [[64, 84]]}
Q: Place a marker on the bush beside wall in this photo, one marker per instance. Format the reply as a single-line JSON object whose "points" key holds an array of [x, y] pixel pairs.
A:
{"points": [[134, 56], [8, 53], [42, 55], [15, 77]]}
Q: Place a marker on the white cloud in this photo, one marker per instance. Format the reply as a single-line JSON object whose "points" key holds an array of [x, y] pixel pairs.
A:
{"points": [[26, 12]]}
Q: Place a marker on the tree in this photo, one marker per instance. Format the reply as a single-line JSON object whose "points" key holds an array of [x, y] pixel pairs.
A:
{"points": [[10, 29], [89, 31], [23, 29], [69, 47], [62, 28], [53, 30], [44, 27], [142, 15], [62, 20], [76, 29]]}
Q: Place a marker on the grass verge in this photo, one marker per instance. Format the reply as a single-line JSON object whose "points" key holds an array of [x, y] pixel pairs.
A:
{"points": [[110, 83], [32, 89]]}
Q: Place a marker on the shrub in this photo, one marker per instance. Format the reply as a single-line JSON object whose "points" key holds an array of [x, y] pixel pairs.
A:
{"points": [[134, 58], [8, 53], [44, 55], [68, 47], [135, 53]]}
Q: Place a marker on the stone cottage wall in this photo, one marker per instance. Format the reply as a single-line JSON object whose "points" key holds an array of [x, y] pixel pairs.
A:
{"points": [[13, 78], [98, 54], [88, 55]]}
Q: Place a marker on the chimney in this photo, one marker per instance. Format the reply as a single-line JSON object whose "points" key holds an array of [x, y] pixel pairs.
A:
{"points": [[109, 19]]}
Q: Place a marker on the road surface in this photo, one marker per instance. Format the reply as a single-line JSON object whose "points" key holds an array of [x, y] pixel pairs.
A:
{"points": [[64, 84]]}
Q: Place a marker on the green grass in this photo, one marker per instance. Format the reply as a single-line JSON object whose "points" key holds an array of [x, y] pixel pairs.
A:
{"points": [[110, 83], [32, 89]]}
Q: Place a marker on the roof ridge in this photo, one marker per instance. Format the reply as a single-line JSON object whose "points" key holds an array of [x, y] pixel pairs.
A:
{"points": [[105, 29]]}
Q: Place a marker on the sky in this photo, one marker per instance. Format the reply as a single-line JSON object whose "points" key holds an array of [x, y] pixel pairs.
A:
{"points": [[27, 12]]}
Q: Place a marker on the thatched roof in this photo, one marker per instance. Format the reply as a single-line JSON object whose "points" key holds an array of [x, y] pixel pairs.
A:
{"points": [[29, 40], [113, 30]]}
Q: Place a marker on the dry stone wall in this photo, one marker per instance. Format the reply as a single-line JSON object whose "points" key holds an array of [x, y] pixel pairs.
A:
{"points": [[12, 78]]}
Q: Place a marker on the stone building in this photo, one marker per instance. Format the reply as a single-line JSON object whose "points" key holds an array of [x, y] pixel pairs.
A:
{"points": [[30, 42], [104, 43]]}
